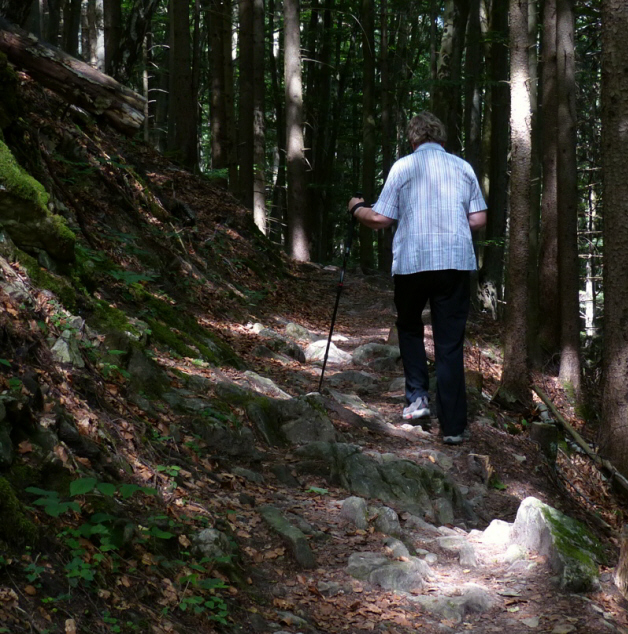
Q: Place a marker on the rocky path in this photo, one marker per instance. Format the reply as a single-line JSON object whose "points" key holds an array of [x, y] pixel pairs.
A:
{"points": [[379, 526]]}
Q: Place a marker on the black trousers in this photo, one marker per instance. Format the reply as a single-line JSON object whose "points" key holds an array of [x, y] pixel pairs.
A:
{"points": [[449, 295]]}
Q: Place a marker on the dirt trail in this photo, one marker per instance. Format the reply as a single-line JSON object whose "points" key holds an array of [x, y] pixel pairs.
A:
{"points": [[524, 596]]}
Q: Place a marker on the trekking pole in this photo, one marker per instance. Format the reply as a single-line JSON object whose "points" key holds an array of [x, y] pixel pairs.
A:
{"points": [[340, 286]]}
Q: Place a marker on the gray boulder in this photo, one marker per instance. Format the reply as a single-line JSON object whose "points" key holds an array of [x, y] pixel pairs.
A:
{"points": [[371, 351], [355, 511], [399, 576], [291, 535], [315, 353], [573, 552]]}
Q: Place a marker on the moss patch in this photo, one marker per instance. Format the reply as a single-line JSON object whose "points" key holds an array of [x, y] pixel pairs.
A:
{"points": [[15, 528], [43, 279], [18, 182]]}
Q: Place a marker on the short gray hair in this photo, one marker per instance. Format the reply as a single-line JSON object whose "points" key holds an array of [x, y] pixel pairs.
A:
{"points": [[424, 128]]}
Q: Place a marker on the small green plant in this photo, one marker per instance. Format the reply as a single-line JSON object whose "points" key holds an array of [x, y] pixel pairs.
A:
{"points": [[318, 491], [171, 470]]}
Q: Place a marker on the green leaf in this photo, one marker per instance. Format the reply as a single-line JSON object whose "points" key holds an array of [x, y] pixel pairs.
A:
{"points": [[318, 491], [82, 486], [106, 488], [8, 364], [127, 490], [157, 532], [38, 491]]}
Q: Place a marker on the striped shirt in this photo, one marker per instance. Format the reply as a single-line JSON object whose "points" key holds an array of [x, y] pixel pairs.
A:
{"points": [[431, 193]]}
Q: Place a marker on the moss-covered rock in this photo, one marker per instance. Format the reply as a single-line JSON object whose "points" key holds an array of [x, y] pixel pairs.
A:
{"points": [[24, 213], [573, 552], [15, 528]]}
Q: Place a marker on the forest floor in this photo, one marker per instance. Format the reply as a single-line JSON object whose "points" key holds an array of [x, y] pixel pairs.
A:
{"points": [[158, 244]]}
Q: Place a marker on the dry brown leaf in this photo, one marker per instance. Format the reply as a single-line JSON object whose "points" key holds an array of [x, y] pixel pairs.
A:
{"points": [[30, 590], [70, 626], [24, 447]]}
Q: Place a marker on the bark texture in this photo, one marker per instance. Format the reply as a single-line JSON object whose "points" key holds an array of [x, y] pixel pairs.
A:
{"points": [[567, 179], [614, 159], [515, 385]]}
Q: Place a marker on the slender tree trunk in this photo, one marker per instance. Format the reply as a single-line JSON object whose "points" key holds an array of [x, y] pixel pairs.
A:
{"points": [[54, 20], [473, 90], [367, 257], [112, 15], [36, 19], [614, 432], [534, 350], [567, 178], [298, 230], [245, 103], [278, 208], [71, 26], [549, 320], [384, 238], [231, 129], [182, 133], [447, 105], [218, 114], [515, 380], [492, 272], [259, 126]]}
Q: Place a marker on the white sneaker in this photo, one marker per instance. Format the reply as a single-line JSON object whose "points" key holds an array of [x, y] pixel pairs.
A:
{"points": [[418, 409]]}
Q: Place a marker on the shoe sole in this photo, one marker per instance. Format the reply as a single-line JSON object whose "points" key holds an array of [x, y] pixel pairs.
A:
{"points": [[419, 413]]}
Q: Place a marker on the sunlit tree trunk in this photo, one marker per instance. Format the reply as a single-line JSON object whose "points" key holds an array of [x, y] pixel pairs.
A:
{"points": [[367, 256], [614, 432], [259, 125], [567, 179], [298, 231], [514, 385]]}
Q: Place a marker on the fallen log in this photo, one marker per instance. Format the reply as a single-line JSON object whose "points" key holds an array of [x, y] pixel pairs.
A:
{"points": [[74, 81], [617, 478]]}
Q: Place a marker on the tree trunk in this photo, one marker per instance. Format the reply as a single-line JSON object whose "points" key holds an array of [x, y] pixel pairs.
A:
{"points": [[112, 14], [182, 132], [71, 26], [614, 431], [54, 20], [534, 350], [278, 208], [129, 48], [473, 90], [447, 104], [384, 238], [549, 320], [35, 21], [515, 383], [218, 106], [245, 103], [259, 125], [73, 80], [16, 11], [492, 272], [298, 244], [367, 257], [567, 179]]}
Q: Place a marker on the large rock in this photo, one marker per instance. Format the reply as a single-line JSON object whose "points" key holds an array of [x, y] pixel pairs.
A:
{"points": [[315, 353], [291, 535], [399, 576], [370, 351], [472, 599], [572, 551], [24, 213], [296, 420], [403, 484]]}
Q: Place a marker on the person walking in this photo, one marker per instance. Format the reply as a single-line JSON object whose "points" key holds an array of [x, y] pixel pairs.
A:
{"points": [[436, 200]]}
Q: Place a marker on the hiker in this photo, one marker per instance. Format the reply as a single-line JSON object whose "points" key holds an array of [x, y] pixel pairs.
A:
{"points": [[436, 200]]}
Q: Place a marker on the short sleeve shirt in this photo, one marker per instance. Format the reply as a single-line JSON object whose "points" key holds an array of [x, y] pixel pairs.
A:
{"points": [[431, 194]]}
